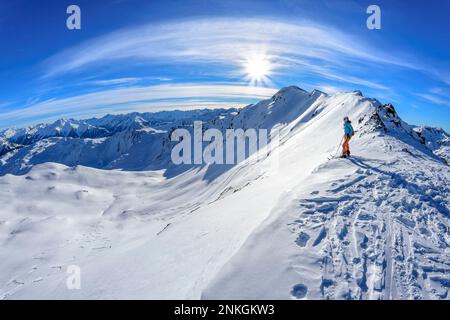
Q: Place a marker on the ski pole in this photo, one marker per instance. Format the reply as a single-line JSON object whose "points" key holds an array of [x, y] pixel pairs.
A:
{"points": [[340, 144]]}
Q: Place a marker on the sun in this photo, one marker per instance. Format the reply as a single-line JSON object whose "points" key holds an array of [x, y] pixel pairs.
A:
{"points": [[257, 69]]}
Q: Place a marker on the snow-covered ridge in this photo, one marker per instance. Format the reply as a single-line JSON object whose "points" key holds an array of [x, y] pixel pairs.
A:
{"points": [[120, 141], [287, 224]]}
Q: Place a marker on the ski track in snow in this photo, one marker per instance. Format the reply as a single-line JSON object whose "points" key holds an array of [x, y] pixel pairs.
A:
{"points": [[375, 229], [380, 236]]}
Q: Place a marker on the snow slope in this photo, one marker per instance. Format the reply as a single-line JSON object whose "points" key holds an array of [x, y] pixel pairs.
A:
{"points": [[286, 223]]}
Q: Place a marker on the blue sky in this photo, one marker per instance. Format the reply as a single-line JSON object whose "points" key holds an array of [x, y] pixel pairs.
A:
{"points": [[133, 55]]}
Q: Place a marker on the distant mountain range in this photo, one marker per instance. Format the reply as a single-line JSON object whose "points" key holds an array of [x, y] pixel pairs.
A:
{"points": [[141, 141]]}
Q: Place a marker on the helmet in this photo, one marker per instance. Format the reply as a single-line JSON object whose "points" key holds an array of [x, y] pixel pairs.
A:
{"points": [[346, 119]]}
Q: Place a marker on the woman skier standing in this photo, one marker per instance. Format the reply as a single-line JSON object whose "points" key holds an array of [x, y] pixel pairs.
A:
{"points": [[348, 134]]}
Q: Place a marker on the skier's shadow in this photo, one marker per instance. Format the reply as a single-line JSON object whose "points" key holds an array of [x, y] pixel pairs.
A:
{"points": [[358, 162]]}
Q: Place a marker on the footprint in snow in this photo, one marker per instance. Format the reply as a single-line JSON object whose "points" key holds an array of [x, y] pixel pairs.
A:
{"points": [[17, 282], [33, 269], [299, 291], [38, 279], [320, 237], [326, 208], [302, 239]]}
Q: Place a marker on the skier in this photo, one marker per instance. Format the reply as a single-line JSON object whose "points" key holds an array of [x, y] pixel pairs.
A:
{"points": [[348, 134]]}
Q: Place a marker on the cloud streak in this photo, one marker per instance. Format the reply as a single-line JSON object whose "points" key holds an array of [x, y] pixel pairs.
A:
{"points": [[221, 41], [118, 81], [437, 95], [144, 98]]}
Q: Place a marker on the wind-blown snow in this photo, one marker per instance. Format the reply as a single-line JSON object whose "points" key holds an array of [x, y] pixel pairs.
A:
{"points": [[102, 194]]}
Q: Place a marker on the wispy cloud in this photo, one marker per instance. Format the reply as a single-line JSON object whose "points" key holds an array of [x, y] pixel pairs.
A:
{"points": [[224, 41], [126, 81], [440, 92], [434, 99], [144, 98], [4, 105], [436, 95], [118, 81]]}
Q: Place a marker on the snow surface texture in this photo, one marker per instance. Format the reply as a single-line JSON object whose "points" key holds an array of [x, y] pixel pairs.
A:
{"points": [[103, 194]]}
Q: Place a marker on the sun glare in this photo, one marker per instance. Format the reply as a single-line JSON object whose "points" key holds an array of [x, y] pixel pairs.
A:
{"points": [[257, 69]]}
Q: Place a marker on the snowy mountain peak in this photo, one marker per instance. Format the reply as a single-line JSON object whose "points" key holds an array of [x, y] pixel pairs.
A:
{"points": [[292, 106], [317, 92]]}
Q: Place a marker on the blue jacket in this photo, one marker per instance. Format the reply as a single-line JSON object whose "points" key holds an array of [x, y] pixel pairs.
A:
{"points": [[348, 129]]}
